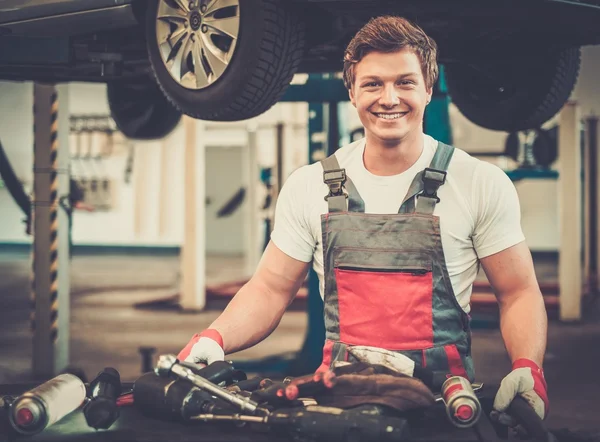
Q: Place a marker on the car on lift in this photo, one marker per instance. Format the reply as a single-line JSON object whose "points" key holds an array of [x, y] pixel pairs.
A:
{"points": [[509, 65]]}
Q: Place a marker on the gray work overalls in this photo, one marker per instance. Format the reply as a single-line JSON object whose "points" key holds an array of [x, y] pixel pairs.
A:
{"points": [[386, 282]]}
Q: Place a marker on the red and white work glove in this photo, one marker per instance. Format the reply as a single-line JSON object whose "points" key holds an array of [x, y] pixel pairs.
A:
{"points": [[526, 380], [203, 348]]}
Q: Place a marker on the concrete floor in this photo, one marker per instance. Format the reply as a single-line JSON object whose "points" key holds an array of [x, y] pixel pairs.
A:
{"points": [[107, 329]]}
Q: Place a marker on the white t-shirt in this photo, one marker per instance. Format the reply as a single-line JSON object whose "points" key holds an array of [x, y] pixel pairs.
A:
{"points": [[478, 209]]}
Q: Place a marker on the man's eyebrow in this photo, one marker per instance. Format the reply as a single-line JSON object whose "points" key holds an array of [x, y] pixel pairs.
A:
{"points": [[369, 77], [409, 74], [375, 77]]}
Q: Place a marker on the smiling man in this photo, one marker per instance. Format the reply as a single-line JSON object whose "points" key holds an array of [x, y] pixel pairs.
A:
{"points": [[396, 226]]}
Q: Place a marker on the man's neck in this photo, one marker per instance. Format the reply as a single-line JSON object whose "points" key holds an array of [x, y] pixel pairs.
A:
{"points": [[383, 160]]}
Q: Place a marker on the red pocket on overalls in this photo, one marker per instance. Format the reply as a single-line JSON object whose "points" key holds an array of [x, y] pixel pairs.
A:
{"points": [[386, 302]]}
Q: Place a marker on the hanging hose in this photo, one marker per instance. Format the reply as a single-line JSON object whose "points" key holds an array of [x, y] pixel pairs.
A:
{"points": [[15, 188]]}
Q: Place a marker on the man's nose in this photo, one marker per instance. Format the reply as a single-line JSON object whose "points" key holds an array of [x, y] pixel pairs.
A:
{"points": [[389, 96]]}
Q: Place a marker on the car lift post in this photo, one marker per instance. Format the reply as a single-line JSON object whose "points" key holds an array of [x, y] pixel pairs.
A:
{"points": [[570, 202], [50, 249]]}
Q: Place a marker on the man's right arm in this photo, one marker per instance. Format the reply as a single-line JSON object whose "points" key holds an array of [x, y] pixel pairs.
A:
{"points": [[255, 311]]}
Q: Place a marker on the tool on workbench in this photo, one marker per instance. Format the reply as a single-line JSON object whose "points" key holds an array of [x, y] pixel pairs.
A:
{"points": [[247, 385], [101, 410], [267, 382], [168, 365], [462, 405], [46, 404], [275, 394], [309, 385], [327, 424], [219, 372], [169, 399]]}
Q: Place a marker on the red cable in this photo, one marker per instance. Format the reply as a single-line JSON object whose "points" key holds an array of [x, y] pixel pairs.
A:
{"points": [[125, 400]]}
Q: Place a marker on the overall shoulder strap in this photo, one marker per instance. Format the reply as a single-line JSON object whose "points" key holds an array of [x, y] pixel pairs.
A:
{"points": [[341, 188], [423, 189]]}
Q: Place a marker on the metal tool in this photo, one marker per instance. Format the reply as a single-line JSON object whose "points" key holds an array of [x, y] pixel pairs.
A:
{"points": [[46, 404], [462, 405], [327, 423], [168, 364], [219, 372]]}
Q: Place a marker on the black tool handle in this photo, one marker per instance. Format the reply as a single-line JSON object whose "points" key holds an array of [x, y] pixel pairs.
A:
{"points": [[529, 419], [102, 411], [249, 384], [217, 372]]}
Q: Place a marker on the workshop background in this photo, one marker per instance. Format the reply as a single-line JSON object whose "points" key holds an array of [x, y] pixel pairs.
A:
{"points": [[130, 298]]}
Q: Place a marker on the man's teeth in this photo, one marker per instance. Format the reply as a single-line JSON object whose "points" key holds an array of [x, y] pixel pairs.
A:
{"points": [[390, 116]]}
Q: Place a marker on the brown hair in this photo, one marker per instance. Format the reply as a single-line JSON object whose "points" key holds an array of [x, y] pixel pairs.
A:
{"points": [[391, 34]]}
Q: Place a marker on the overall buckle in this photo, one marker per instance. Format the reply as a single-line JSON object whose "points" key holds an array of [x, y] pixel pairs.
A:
{"points": [[335, 180], [432, 180]]}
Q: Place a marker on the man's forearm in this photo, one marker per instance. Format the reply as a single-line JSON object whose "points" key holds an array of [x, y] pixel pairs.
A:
{"points": [[524, 324], [250, 317]]}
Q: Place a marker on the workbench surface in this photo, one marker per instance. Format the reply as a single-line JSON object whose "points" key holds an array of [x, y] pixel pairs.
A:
{"points": [[132, 426]]}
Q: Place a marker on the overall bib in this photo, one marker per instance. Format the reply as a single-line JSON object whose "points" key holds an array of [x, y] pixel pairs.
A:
{"points": [[386, 282]]}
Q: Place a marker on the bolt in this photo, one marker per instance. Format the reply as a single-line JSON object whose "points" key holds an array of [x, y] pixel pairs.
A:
{"points": [[203, 8], [191, 5], [204, 29]]}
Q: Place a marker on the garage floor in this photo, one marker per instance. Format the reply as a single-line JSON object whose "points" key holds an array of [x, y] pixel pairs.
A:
{"points": [[107, 328]]}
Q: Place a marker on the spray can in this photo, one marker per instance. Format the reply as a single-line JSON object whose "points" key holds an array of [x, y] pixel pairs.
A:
{"points": [[46, 404], [462, 405]]}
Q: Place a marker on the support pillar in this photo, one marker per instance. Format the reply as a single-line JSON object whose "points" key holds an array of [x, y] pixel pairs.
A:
{"points": [[193, 250], [253, 236], [50, 250], [570, 213]]}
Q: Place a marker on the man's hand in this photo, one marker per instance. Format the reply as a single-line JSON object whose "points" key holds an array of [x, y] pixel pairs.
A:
{"points": [[204, 348], [526, 380]]}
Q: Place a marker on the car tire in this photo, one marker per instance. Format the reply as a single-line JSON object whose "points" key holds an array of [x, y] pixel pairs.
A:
{"points": [[265, 56], [514, 95], [140, 110]]}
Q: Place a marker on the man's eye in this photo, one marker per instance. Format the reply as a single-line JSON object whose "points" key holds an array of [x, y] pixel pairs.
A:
{"points": [[406, 82], [371, 84]]}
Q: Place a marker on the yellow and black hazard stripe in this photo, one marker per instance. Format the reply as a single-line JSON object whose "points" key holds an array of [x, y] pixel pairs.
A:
{"points": [[53, 213]]}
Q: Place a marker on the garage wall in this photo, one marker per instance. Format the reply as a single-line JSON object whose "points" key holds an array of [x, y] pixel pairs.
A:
{"points": [[16, 134], [142, 215], [147, 208]]}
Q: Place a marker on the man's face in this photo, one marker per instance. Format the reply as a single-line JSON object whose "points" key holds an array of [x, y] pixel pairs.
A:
{"points": [[390, 96]]}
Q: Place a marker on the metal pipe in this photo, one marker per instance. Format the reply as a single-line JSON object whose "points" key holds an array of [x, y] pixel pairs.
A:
{"points": [[231, 418]]}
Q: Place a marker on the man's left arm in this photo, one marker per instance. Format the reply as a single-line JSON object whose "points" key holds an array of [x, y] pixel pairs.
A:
{"points": [[523, 319], [523, 324]]}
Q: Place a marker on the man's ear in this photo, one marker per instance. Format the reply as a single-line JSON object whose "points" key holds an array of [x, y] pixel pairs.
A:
{"points": [[351, 95], [429, 94]]}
